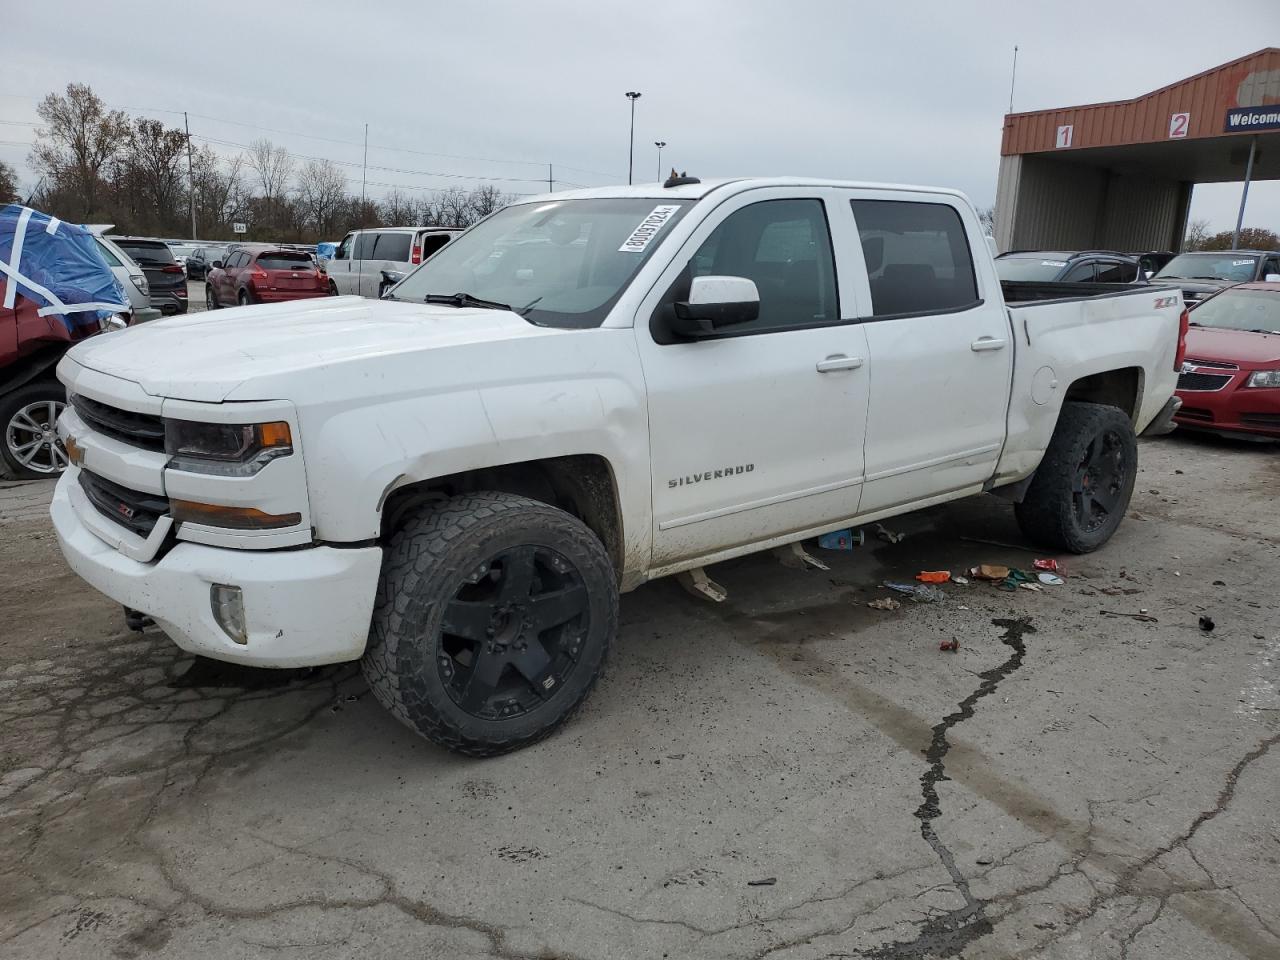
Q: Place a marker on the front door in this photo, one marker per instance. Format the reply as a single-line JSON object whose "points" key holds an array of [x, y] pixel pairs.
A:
{"points": [[941, 351], [339, 266], [362, 253], [755, 433]]}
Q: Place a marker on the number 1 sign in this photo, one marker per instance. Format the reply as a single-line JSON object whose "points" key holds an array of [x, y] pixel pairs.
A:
{"points": [[1064, 136]]}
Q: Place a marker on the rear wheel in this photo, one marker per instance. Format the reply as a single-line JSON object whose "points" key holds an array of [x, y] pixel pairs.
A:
{"points": [[333, 289], [211, 298], [243, 299], [493, 618], [31, 448], [1082, 486]]}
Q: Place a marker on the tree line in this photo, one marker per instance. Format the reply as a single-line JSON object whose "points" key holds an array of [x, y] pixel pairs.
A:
{"points": [[1251, 238], [98, 165]]}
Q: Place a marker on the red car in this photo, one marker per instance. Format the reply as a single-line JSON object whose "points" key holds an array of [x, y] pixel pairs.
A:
{"points": [[1230, 380], [263, 275]]}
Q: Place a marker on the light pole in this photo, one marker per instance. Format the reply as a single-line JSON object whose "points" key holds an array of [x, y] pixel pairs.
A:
{"points": [[659, 144], [633, 96]]}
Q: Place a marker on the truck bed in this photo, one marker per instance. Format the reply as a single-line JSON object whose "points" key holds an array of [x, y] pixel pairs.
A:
{"points": [[1022, 292]]}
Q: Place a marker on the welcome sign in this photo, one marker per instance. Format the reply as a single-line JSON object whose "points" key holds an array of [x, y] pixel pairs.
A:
{"points": [[1240, 119]]}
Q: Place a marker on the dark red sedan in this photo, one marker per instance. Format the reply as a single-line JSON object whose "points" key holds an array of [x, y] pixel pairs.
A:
{"points": [[263, 275], [1230, 380]]}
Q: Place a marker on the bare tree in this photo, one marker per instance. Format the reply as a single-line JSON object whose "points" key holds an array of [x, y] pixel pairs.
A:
{"points": [[400, 210], [78, 145], [274, 168], [153, 173], [220, 191], [1197, 235], [8, 183], [453, 208], [987, 217], [487, 199], [322, 190]]}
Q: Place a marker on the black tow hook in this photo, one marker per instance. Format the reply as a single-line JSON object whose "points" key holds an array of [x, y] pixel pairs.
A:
{"points": [[137, 620]]}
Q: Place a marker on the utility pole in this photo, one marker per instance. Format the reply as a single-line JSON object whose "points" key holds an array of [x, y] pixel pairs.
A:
{"points": [[1244, 194], [551, 180], [1014, 77], [633, 96], [191, 177], [659, 144], [364, 173]]}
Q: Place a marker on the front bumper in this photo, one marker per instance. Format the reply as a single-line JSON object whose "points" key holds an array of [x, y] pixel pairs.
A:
{"points": [[303, 607], [1236, 409], [1164, 422]]}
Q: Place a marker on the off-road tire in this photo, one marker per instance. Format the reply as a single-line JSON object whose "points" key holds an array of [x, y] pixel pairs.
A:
{"points": [[1050, 514], [38, 391], [426, 563]]}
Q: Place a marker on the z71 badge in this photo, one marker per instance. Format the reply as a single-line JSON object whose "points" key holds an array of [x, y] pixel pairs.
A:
{"points": [[1162, 302]]}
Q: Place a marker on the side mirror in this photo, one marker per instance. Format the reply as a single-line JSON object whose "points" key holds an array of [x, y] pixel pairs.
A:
{"points": [[217, 264], [716, 302], [1273, 278]]}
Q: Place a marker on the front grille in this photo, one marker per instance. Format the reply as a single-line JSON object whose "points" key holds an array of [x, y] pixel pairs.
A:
{"points": [[139, 429], [1202, 381], [1260, 419], [1213, 364], [1195, 413], [135, 511]]}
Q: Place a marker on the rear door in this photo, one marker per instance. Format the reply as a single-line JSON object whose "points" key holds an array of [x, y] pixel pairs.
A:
{"points": [[756, 433], [288, 270], [941, 352], [391, 251]]}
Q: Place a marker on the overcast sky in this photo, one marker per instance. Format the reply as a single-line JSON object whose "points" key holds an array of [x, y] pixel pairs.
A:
{"points": [[913, 92]]}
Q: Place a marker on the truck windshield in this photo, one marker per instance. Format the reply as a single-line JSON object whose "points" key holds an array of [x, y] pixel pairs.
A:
{"points": [[1209, 266], [562, 263], [1255, 310], [1037, 269]]}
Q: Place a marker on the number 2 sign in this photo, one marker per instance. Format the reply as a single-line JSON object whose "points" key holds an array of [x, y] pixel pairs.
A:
{"points": [[1178, 125], [1064, 136]]}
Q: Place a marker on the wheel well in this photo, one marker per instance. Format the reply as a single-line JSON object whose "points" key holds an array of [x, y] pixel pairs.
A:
{"points": [[1114, 388], [581, 485]]}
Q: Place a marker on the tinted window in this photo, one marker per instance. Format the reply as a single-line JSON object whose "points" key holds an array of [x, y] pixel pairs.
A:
{"points": [[279, 260], [1116, 273], [147, 252], [433, 243], [1080, 273], [917, 257], [1033, 269], [364, 246], [237, 260], [344, 249], [393, 246], [785, 248], [107, 255]]}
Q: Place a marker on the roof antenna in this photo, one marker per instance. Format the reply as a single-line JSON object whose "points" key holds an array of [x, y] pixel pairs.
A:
{"points": [[1014, 78]]}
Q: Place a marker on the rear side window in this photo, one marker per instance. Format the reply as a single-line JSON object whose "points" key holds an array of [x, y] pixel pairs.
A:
{"points": [[430, 244], [280, 260], [149, 253], [1116, 273], [917, 255], [107, 255], [393, 246], [364, 246], [1080, 273]]}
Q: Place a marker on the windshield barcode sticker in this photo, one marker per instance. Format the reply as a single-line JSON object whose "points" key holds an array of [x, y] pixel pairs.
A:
{"points": [[648, 228], [1241, 263]]}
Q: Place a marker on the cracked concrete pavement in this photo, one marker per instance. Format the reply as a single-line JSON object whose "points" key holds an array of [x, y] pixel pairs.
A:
{"points": [[1069, 784]]}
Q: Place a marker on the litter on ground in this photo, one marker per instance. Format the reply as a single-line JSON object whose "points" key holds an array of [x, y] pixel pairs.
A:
{"points": [[884, 603], [933, 576]]}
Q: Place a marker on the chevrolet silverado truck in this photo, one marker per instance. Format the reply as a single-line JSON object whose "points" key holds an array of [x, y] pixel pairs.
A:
{"points": [[584, 392]]}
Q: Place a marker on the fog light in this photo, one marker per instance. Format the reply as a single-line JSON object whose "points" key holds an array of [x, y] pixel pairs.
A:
{"points": [[228, 610]]}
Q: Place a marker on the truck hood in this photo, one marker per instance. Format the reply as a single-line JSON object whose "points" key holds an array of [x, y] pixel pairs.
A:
{"points": [[206, 356], [1247, 350]]}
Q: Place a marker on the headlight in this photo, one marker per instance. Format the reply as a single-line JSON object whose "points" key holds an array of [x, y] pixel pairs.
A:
{"points": [[113, 322], [140, 282], [229, 450], [1264, 378]]}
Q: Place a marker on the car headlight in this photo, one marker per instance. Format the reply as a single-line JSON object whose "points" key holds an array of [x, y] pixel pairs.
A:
{"points": [[225, 449], [1264, 378], [113, 322]]}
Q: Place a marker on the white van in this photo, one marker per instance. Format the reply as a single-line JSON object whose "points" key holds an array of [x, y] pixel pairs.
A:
{"points": [[362, 255]]}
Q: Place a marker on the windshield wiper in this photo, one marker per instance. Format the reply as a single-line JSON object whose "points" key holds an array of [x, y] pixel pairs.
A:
{"points": [[1264, 331], [464, 300], [1206, 278]]}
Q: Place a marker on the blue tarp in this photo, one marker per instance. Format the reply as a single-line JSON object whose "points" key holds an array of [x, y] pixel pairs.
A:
{"points": [[58, 266], [325, 251]]}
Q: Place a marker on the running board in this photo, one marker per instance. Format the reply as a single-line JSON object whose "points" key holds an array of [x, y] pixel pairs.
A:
{"points": [[697, 583]]}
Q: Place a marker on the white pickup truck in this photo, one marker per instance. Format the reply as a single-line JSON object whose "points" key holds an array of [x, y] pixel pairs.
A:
{"points": [[584, 392]]}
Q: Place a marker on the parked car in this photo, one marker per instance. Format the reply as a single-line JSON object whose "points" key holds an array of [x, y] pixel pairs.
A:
{"points": [[132, 280], [55, 268], [357, 265], [181, 251], [1061, 266], [1153, 261], [165, 276], [583, 392], [1204, 273], [263, 275], [1230, 380], [201, 260]]}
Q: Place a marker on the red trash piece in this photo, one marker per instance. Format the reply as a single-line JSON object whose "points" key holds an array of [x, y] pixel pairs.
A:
{"points": [[950, 645], [933, 576], [1046, 565]]}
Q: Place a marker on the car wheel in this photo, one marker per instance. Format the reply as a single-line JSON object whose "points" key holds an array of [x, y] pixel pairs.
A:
{"points": [[333, 289], [243, 298], [493, 617], [1082, 487], [31, 448], [211, 298]]}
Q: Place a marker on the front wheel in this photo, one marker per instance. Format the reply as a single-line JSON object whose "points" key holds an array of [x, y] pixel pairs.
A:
{"points": [[211, 298], [493, 618], [244, 299], [1082, 486], [29, 415]]}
